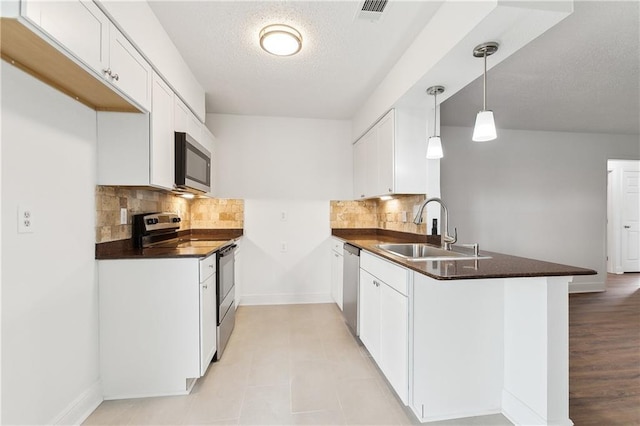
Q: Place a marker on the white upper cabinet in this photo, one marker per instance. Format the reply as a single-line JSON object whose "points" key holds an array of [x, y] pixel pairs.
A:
{"points": [[139, 149], [391, 157], [162, 144], [128, 70], [79, 26], [84, 31]]}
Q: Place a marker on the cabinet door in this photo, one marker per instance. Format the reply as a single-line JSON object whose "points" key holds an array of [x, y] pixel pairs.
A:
{"points": [[79, 26], [130, 72], [369, 317], [359, 169], [394, 340], [371, 185], [162, 145], [207, 322], [337, 268], [386, 160], [181, 113]]}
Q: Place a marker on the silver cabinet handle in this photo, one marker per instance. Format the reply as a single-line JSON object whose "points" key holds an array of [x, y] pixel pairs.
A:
{"points": [[211, 266], [116, 77], [390, 190], [107, 72], [204, 286], [627, 227]]}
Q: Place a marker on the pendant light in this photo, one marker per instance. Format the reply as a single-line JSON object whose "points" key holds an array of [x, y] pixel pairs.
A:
{"points": [[434, 145], [485, 128]]}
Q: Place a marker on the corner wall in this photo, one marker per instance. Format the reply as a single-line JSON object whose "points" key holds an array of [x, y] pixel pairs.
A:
{"points": [[290, 166], [534, 194], [50, 371]]}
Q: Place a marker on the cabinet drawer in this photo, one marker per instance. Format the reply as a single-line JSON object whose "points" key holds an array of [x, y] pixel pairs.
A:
{"points": [[392, 275], [337, 245], [207, 267]]}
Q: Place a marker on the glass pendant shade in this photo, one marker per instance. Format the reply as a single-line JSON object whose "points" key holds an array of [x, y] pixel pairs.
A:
{"points": [[485, 128], [434, 148]]}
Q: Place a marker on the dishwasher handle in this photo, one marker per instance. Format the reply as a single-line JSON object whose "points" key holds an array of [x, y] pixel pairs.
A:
{"points": [[351, 249]]}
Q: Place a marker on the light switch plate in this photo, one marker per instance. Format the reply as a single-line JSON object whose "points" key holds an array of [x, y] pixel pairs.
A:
{"points": [[123, 216], [25, 220]]}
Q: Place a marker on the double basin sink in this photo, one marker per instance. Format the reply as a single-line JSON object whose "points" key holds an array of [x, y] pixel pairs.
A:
{"points": [[422, 252]]}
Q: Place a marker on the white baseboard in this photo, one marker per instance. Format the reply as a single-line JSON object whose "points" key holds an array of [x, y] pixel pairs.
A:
{"points": [[586, 287], [284, 299], [82, 407], [519, 413]]}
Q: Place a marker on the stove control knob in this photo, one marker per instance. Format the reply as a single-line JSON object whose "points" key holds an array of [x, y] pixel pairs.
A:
{"points": [[152, 221], [176, 220]]}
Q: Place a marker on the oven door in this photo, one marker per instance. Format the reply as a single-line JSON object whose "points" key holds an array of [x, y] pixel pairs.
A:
{"points": [[226, 281]]}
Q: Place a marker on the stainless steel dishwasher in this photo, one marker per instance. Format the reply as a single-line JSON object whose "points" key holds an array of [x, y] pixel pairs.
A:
{"points": [[350, 296]]}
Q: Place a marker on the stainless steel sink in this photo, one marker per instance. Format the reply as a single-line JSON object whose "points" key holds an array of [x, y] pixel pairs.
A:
{"points": [[419, 251]]}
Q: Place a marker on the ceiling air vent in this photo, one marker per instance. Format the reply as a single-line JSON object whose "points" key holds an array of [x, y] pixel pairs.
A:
{"points": [[371, 10]]}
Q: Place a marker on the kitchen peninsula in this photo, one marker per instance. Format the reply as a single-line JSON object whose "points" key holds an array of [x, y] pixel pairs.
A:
{"points": [[486, 335]]}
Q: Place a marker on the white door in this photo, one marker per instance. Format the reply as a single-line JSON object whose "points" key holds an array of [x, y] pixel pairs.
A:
{"points": [[131, 73], [162, 145], [369, 313], [386, 159], [394, 340], [630, 234], [359, 169], [79, 26], [208, 307]]}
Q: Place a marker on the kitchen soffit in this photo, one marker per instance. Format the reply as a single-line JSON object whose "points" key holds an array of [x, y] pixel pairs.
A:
{"points": [[342, 61]]}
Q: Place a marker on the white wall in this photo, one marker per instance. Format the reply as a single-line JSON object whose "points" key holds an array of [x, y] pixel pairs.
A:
{"points": [[49, 293], [289, 165], [534, 194]]}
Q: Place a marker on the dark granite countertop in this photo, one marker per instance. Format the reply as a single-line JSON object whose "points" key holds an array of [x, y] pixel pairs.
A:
{"points": [[499, 266], [197, 243]]}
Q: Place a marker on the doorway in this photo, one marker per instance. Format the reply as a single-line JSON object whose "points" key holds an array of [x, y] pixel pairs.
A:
{"points": [[623, 216]]}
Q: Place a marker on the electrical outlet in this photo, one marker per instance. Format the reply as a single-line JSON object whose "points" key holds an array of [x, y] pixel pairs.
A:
{"points": [[25, 220], [123, 216], [403, 216], [283, 247]]}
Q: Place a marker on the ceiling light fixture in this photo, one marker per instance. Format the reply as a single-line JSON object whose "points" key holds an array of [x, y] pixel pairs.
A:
{"points": [[434, 144], [280, 40], [485, 128]]}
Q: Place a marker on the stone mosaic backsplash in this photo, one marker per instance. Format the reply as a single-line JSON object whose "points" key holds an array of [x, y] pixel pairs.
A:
{"points": [[197, 213], [376, 213]]}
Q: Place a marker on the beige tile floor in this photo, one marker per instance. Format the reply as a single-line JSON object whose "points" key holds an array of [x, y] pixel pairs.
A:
{"points": [[286, 365]]}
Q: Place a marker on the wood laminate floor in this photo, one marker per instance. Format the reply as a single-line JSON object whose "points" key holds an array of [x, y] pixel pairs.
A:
{"points": [[604, 354]]}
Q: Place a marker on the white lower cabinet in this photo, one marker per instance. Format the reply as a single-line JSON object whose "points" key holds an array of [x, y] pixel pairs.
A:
{"points": [[208, 312], [369, 311], [157, 325], [384, 318], [337, 269]]}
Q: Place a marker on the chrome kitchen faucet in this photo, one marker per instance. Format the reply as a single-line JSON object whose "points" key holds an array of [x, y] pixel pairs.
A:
{"points": [[447, 239]]}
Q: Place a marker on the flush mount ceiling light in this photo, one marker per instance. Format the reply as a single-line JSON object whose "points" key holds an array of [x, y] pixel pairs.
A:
{"points": [[434, 144], [280, 40], [485, 128]]}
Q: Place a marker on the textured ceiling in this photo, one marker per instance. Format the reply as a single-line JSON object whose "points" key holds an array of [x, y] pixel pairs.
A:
{"points": [[582, 75], [342, 60]]}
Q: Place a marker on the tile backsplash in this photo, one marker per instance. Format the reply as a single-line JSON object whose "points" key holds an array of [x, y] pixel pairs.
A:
{"points": [[196, 213], [395, 214]]}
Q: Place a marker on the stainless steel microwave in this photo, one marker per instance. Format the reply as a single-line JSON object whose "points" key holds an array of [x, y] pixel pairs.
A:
{"points": [[193, 164]]}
